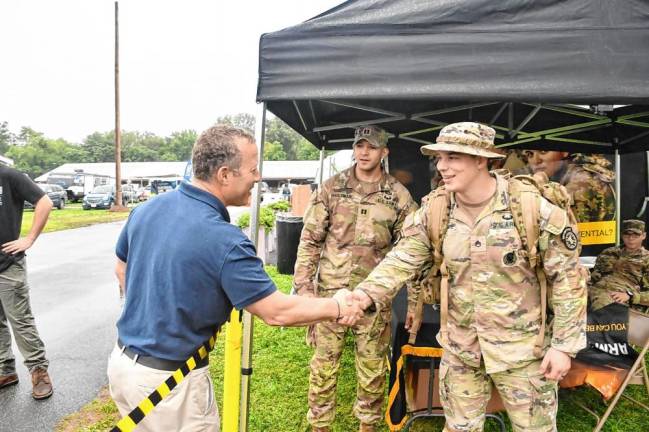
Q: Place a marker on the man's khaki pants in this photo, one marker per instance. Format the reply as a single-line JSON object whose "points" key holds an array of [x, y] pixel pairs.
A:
{"points": [[189, 407], [15, 310]]}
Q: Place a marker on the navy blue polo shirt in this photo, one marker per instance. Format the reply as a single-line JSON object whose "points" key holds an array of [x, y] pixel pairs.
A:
{"points": [[186, 268]]}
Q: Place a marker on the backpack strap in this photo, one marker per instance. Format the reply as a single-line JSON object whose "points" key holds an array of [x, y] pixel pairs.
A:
{"points": [[439, 209], [524, 196]]}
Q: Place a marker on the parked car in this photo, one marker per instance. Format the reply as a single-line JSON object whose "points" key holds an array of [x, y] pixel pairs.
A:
{"points": [[56, 193], [103, 197]]}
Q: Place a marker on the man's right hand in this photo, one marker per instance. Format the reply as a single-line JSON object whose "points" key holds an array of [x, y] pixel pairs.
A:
{"points": [[350, 309]]}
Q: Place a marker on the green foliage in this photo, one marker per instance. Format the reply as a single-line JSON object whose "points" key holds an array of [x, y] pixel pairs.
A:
{"points": [[281, 206], [6, 137], [242, 120], [266, 216], [266, 219], [295, 146], [34, 154], [307, 151], [273, 151]]}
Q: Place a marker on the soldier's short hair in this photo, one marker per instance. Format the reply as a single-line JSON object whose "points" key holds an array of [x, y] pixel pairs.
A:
{"points": [[217, 147]]}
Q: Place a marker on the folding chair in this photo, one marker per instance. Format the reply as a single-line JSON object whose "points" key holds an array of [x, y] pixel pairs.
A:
{"points": [[638, 334]]}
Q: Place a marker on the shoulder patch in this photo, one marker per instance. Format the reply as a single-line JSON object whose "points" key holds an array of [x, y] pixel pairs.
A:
{"points": [[569, 238]]}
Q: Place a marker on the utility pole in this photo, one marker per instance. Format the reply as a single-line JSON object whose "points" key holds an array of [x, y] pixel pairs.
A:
{"points": [[117, 205]]}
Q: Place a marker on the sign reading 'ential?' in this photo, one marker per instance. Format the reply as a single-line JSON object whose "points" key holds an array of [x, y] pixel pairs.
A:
{"points": [[591, 233]]}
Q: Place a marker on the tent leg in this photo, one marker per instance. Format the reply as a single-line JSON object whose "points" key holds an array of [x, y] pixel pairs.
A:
{"points": [[618, 198], [246, 348], [321, 173]]}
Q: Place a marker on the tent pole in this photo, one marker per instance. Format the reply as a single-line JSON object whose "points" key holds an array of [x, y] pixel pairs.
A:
{"points": [[321, 175], [246, 349], [618, 198]]}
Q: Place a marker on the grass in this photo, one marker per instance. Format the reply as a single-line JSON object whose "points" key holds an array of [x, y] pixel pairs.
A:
{"points": [[280, 382], [72, 216]]}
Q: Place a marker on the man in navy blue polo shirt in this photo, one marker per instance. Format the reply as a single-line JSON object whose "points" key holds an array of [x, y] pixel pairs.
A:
{"points": [[184, 267]]}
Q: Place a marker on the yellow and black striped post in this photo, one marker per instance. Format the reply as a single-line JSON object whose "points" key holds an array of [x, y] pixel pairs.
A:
{"points": [[130, 421]]}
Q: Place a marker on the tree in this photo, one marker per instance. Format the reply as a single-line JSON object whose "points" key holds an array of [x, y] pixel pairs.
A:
{"points": [[100, 147], [242, 120], [34, 154], [178, 146], [307, 151], [273, 151], [6, 137]]}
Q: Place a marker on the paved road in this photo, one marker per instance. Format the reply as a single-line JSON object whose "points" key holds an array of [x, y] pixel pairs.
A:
{"points": [[75, 300]]}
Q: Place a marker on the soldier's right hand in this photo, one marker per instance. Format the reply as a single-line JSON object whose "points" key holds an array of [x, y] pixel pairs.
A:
{"points": [[350, 309]]}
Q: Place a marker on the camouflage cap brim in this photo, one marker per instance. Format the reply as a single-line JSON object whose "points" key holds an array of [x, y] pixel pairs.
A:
{"points": [[632, 231], [373, 143], [432, 149]]}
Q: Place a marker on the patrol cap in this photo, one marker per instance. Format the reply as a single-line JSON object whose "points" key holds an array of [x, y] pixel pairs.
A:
{"points": [[465, 137], [633, 226], [374, 135]]}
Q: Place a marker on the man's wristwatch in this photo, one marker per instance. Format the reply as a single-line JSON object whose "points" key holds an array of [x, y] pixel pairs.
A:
{"points": [[630, 294]]}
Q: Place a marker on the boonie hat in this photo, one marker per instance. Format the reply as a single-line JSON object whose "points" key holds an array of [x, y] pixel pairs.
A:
{"points": [[374, 135], [465, 137], [633, 226]]}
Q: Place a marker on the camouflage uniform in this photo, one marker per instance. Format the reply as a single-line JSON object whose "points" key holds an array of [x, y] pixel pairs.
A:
{"points": [[621, 270], [348, 228], [589, 180], [494, 308], [590, 183]]}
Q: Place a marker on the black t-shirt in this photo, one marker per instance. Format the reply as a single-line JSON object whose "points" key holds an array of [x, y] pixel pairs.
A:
{"points": [[15, 189]]}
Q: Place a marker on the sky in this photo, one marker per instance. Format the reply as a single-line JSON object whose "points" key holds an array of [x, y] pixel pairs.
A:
{"points": [[183, 63]]}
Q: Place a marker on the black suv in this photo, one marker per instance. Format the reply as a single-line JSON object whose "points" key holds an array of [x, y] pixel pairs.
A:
{"points": [[57, 194]]}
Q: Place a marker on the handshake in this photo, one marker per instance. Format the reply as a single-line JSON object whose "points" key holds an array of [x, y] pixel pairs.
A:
{"points": [[351, 306]]}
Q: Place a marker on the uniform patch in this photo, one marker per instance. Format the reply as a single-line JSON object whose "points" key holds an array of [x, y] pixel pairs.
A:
{"points": [[508, 216], [509, 258], [569, 238]]}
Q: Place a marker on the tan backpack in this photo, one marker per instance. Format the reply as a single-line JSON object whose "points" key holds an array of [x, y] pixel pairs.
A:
{"points": [[524, 192]]}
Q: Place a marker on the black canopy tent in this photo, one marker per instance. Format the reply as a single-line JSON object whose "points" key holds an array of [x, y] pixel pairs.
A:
{"points": [[570, 75]]}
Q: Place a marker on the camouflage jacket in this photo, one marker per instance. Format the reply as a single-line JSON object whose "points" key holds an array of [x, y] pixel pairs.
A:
{"points": [[494, 301], [348, 230], [589, 181], [618, 270]]}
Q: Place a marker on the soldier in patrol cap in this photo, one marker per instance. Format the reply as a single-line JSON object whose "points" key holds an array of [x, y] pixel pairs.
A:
{"points": [[493, 297], [621, 274], [351, 222]]}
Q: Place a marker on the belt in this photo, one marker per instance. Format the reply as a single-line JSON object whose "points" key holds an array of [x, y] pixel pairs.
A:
{"points": [[156, 363]]}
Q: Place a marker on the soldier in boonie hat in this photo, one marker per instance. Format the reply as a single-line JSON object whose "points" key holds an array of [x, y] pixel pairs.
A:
{"points": [[374, 135], [633, 226], [465, 137]]}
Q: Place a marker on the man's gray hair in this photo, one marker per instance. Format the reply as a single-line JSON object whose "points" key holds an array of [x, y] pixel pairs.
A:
{"points": [[215, 148]]}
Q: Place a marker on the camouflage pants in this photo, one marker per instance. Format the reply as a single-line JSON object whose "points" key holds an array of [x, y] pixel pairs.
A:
{"points": [[371, 337], [530, 399]]}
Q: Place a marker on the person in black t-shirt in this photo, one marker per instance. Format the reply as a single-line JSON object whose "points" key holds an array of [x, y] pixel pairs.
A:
{"points": [[15, 189]]}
